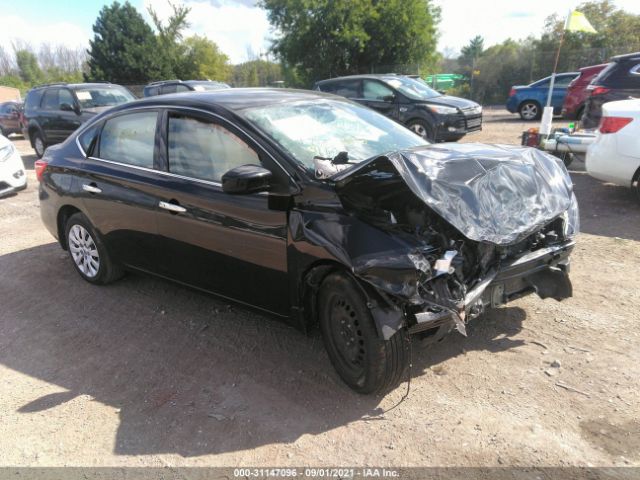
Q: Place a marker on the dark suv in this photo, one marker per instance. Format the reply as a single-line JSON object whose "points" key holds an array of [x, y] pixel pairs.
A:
{"points": [[164, 87], [410, 102], [53, 111], [10, 118], [618, 81]]}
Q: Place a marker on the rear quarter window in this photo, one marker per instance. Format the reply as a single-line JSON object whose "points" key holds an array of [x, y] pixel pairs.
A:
{"points": [[88, 137]]}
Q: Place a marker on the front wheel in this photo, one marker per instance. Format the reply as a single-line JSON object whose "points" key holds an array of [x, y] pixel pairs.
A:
{"points": [[422, 129], [89, 255], [364, 361]]}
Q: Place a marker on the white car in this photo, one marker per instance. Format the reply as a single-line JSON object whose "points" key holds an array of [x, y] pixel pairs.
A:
{"points": [[615, 155], [12, 174]]}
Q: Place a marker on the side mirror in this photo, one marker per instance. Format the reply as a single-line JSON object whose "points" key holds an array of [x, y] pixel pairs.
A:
{"points": [[66, 107], [442, 92], [388, 98], [246, 179]]}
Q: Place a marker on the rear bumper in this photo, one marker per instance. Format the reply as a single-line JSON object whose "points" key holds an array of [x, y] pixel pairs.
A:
{"points": [[606, 163], [512, 104], [544, 272]]}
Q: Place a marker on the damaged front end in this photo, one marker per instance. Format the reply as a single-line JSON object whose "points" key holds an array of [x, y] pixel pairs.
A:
{"points": [[463, 227]]}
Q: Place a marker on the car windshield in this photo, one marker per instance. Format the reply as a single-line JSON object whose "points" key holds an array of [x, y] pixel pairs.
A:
{"points": [[201, 86], [326, 127], [411, 87], [91, 97]]}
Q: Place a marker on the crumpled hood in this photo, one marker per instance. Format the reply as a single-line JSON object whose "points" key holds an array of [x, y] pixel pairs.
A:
{"points": [[490, 193]]}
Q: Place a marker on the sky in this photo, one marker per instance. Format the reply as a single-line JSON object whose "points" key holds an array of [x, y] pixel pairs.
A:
{"points": [[242, 30]]}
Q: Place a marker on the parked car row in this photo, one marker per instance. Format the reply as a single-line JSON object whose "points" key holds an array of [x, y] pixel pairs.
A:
{"points": [[53, 111], [580, 95]]}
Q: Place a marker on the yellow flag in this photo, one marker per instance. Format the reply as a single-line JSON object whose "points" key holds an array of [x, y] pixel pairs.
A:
{"points": [[577, 22]]}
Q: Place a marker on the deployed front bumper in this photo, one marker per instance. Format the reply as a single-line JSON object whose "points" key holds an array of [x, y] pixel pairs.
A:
{"points": [[544, 271]]}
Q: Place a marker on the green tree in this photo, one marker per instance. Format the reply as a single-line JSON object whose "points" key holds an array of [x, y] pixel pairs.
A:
{"points": [[203, 59], [172, 52], [324, 38], [471, 52], [28, 67], [256, 73], [124, 48]]}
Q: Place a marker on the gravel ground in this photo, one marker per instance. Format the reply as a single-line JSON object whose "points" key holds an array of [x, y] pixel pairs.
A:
{"points": [[147, 373]]}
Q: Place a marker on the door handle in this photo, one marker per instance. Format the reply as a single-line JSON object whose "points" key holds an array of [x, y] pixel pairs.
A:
{"points": [[172, 207], [91, 188]]}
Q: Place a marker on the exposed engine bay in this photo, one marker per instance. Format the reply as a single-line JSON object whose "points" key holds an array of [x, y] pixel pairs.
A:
{"points": [[454, 271]]}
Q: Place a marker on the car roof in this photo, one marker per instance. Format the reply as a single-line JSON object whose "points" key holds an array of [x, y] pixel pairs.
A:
{"points": [[361, 76], [626, 56], [593, 67], [232, 98], [75, 85]]}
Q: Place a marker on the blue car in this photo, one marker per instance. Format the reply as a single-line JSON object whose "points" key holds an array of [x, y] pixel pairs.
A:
{"points": [[529, 100]]}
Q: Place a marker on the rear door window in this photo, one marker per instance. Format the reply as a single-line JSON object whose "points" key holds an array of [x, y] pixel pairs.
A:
{"points": [[344, 88], [374, 90], [130, 139], [201, 149]]}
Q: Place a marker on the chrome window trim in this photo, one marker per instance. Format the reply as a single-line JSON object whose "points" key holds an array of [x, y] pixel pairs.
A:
{"points": [[176, 107], [153, 170]]}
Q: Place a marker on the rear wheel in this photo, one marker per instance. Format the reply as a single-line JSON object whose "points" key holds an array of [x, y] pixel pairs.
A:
{"points": [[364, 361], [530, 110], [38, 144], [88, 253]]}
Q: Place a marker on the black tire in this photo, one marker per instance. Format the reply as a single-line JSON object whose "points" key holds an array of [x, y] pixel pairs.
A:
{"points": [[364, 361], [3, 133], [530, 110], [39, 144], [423, 129], [106, 271]]}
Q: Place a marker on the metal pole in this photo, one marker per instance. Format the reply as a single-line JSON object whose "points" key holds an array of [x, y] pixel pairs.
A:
{"points": [[555, 66]]}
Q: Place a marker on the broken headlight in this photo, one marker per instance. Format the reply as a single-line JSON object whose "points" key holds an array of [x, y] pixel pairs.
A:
{"points": [[571, 219]]}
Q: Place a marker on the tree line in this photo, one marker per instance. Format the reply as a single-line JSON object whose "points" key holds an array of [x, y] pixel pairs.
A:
{"points": [[492, 71], [320, 39]]}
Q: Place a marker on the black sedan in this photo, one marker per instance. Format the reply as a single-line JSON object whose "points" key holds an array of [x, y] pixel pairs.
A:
{"points": [[314, 209]]}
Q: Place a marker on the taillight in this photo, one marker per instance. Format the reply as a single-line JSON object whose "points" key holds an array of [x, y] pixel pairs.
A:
{"points": [[614, 124], [599, 91], [39, 166], [512, 92]]}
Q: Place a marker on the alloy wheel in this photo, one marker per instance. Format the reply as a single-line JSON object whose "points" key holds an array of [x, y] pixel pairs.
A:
{"points": [[419, 129], [529, 111], [84, 251]]}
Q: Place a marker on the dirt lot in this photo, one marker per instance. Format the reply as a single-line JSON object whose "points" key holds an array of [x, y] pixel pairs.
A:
{"points": [[146, 373]]}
